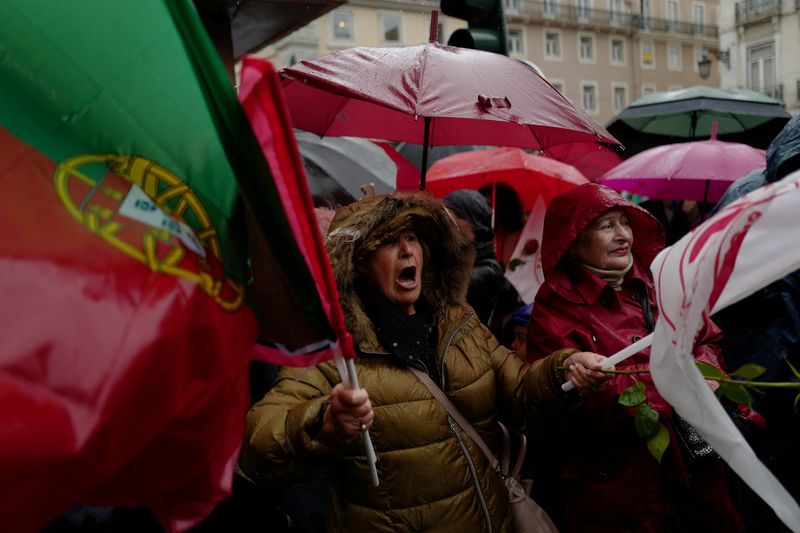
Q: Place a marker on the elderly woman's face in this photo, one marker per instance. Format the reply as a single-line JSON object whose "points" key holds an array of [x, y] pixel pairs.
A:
{"points": [[606, 243], [396, 270]]}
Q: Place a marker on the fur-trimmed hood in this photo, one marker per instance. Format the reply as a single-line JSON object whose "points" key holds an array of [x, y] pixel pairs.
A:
{"points": [[360, 228]]}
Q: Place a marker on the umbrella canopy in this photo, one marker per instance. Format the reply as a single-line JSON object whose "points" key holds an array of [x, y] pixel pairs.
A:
{"points": [[353, 163], [434, 94], [591, 159], [413, 151], [674, 116], [531, 176], [700, 170]]}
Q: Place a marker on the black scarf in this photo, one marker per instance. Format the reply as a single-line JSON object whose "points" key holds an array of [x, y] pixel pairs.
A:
{"points": [[409, 338]]}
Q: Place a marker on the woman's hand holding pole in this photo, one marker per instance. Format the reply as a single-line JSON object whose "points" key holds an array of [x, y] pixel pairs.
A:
{"points": [[349, 414], [621, 355]]}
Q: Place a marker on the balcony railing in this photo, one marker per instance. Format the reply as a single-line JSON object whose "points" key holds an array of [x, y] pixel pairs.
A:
{"points": [[575, 14], [755, 10]]}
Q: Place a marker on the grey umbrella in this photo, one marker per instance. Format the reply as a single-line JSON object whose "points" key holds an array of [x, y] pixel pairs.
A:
{"points": [[352, 162]]}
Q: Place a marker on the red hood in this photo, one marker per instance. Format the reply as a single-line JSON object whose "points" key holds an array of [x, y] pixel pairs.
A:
{"points": [[572, 211]]}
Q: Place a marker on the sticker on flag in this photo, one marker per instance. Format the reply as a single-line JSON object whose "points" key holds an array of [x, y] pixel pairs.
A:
{"points": [[138, 206]]}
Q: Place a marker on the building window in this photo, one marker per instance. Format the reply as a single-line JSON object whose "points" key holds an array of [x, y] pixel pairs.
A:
{"points": [[616, 9], [515, 43], [550, 8], [648, 55], [648, 88], [620, 97], [558, 85], [584, 10], [698, 19], [390, 26], [674, 57], [511, 6], [589, 96], [647, 13], [761, 68], [618, 52], [552, 45], [342, 25], [440, 33], [672, 15], [586, 48]]}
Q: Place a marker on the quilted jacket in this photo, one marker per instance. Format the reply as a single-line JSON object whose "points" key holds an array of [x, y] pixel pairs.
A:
{"points": [[432, 476]]}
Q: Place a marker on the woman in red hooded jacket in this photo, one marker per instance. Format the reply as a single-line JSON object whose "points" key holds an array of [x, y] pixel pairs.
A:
{"points": [[599, 296]]}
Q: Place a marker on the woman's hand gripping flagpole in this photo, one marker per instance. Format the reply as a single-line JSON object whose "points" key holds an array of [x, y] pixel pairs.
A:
{"points": [[621, 355], [347, 371]]}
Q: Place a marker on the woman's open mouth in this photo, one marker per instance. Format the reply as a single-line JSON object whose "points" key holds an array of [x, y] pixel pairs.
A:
{"points": [[408, 278], [620, 251]]}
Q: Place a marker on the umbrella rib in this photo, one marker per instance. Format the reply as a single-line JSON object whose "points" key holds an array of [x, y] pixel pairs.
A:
{"points": [[737, 119], [421, 76], [334, 113]]}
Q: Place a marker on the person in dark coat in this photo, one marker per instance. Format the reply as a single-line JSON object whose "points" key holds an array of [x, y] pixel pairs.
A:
{"points": [[599, 295], [764, 329], [489, 293]]}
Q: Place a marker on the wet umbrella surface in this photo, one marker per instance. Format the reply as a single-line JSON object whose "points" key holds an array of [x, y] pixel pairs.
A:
{"points": [[435, 95]]}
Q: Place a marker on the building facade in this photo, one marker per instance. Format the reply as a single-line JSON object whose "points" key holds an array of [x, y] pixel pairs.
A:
{"points": [[760, 48], [602, 54], [362, 23]]}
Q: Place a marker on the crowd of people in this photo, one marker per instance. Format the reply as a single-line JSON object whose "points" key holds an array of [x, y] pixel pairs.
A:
{"points": [[422, 287]]}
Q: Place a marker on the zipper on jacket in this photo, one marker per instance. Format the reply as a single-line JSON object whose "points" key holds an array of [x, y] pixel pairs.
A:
{"points": [[473, 472], [447, 344]]}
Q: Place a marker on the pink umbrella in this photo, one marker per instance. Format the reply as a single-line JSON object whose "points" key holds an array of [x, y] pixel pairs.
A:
{"points": [[531, 176], [700, 170], [436, 95]]}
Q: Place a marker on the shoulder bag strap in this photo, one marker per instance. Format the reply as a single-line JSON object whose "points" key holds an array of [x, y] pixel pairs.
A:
{"points": [[455, 414]]}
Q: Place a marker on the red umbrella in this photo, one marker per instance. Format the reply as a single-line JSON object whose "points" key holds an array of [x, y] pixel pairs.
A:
{"points": [[531, 176], [699, 170], [592, 159], [434, 94]]}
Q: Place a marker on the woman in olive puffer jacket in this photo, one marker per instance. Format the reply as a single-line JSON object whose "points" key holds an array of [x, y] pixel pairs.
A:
{"points": [[433, 477]]}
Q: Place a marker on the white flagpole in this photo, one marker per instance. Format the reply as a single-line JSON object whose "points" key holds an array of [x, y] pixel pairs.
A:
{"points": [[347, 371], [621, 355]]}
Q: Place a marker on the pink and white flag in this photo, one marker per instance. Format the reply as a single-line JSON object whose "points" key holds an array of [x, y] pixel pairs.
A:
{"points": [[749, 244], [525, 268]]}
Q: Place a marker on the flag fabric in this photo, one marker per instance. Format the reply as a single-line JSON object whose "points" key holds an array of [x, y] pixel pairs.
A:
{"points": [[525, 267], [261, 98], [747, 245], [133, 194]]}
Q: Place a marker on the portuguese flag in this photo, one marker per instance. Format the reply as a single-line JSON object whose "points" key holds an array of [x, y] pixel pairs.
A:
{"points": [[146, 245]]}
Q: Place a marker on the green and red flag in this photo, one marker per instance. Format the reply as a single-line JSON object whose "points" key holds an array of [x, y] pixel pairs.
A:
{"points": [[146, 245]]}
